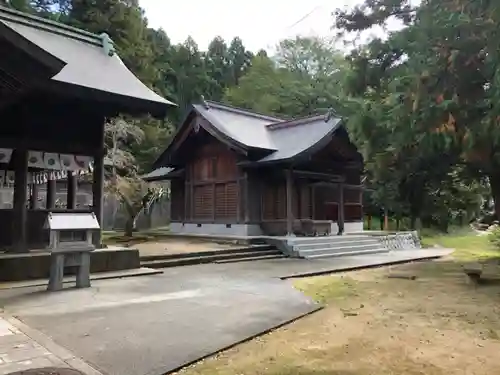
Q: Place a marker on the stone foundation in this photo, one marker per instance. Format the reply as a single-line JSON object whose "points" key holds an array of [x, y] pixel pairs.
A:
{"points": [[353, 227], [36, 265], [216, 229]]}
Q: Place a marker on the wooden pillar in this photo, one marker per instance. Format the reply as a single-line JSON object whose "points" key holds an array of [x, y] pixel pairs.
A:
{"points": [[238, 198], [20, 211], [71, 191], [298, 189], [98, 195], [51, 192], [34, 196], [213, 202], [313, 202], [186, 201], [340, 221], [289, 204], [248, 198]]}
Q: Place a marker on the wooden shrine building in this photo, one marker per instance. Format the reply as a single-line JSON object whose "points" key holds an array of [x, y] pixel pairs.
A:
{"points": [[58, 85], [235, 172]]}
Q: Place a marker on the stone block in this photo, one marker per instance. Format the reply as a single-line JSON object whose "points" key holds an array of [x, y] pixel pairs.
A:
{"points": [[32, 266]]}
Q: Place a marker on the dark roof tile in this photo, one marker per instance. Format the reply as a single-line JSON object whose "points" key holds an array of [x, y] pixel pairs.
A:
{"points": [[284, 139], [86, 62]]}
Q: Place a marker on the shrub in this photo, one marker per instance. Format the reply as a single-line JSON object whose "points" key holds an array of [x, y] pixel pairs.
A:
{"points": [[494, 237]]}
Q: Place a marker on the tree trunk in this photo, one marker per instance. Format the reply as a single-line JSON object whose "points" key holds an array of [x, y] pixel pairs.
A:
{"points": [[129, 227], [369, 222], [413, 222], [495, 192]]}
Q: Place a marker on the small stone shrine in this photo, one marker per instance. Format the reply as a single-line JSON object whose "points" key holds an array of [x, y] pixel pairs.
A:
{"points": [[70, 246]]}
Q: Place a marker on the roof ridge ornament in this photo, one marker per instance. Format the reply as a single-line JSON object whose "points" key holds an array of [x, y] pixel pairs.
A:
{"points": [[107, 44], [330, 114], [204, 102]]}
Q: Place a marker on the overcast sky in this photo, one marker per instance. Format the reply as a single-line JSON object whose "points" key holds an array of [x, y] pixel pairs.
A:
{"points": [[259, 23]]}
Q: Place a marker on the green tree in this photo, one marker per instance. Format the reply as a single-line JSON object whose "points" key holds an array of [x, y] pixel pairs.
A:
{"points": [[239, 61], [125, 23], [217, 65], [445, 65], [189, 76], [261, 89], [283, 86]]}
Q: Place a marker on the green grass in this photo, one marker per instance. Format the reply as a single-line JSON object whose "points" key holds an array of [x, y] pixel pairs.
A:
{"points": [[325, 288], [468, 246], [117, 237]]}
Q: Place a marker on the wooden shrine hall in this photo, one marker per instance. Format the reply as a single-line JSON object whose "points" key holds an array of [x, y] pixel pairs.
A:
{"points": [[235, 172], [58, 85]]}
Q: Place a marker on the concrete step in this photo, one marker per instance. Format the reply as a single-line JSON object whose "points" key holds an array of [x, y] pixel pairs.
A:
{"points": [[239, 250], [326, 254], [312, 240], [209, 258], [337, 245], [249, 259], [340, 249]]}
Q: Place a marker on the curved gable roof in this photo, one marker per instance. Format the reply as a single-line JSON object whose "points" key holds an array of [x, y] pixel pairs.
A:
{"points": [[247, 130], [84, 60], [293, 138]]}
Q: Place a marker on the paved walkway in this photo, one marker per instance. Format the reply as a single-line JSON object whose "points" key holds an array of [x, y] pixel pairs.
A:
{"points": [[22, 349], [154, 324]]}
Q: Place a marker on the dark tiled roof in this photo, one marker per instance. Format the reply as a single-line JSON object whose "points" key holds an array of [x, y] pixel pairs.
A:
{"points": [[295, 137], [284, 139], [243, 126], [279, 139], [84, 58]]}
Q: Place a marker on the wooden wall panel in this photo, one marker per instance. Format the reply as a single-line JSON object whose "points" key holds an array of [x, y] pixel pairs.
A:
{"points": [[353, 195], [353, 213], [226, 205], [203, 202], [178, 200], [268, 202], [213, 176], [280, 199], [305, 201]]}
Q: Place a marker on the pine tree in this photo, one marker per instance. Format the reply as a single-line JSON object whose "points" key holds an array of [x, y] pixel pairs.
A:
{"points": [[125, 23]]}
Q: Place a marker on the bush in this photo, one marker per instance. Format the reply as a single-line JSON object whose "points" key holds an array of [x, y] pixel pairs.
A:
{"points": [[494, 237]]}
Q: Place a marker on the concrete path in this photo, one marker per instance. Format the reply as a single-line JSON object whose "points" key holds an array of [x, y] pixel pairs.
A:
{"points": [[155, 324], [22, 349]]}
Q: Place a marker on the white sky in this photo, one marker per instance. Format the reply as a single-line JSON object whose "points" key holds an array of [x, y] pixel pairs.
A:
{"points": [[259, 23]]}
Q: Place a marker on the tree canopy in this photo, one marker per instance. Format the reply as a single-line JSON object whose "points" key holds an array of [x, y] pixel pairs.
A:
{"points": [[422, 104]]}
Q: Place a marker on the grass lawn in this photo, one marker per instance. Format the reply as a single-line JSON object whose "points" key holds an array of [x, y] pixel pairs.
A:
{"points": [[375, 324], [117, 237]]}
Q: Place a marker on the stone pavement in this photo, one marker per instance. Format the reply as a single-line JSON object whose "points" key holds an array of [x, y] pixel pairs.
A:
{"points": [[155, 324], [49, 371], [20, 352]]}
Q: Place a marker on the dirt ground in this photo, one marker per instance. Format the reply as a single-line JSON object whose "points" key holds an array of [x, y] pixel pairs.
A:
{"points": [[376, 324], [179, 246]]}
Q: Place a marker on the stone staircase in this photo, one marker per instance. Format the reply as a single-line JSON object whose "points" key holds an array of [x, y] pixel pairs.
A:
{"points": [[243, 254], [334, 246]]}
